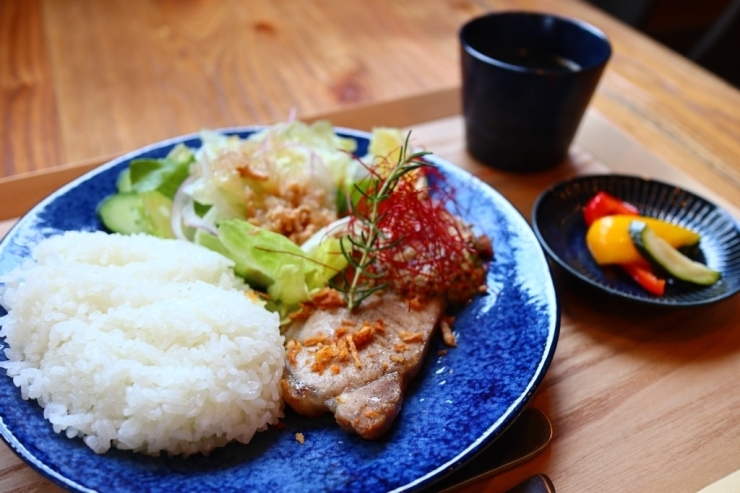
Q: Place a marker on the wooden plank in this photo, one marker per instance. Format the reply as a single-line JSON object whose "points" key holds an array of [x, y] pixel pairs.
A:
{"points": [[231, 63], [21, 192], [5, 226], [596, 134], [636, 395], [600, 147], [235, 63], [29, 137]]}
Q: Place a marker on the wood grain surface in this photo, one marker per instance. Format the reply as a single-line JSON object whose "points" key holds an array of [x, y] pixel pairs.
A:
{"points": [[641, 400], [82, 79]]}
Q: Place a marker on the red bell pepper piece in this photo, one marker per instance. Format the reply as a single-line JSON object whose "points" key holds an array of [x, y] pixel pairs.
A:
{"points": [[645, 278], [604, 204]]}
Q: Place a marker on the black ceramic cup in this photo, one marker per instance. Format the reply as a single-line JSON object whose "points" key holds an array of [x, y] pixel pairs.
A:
{"points": [[527, 80]]}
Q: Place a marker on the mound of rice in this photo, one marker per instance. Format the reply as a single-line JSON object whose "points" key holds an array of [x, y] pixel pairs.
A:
{"points": [[141, 343]]}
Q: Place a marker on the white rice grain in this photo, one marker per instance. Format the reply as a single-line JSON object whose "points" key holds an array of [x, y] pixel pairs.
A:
{"points": [[141, 343]]}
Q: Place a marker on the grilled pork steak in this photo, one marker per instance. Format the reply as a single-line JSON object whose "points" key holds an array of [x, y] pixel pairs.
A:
{"points": [[357, 365]]}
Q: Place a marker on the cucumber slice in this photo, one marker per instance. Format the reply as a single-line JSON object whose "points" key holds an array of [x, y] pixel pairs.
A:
{"points": [[123, 213], [658, 252], [156, 210]]}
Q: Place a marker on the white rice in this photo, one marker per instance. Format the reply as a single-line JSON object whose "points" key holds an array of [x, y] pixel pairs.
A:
{"points": [[141, 343]]}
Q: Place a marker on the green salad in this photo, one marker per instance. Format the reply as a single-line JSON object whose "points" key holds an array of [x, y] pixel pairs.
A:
{"points": [[266, 202]]}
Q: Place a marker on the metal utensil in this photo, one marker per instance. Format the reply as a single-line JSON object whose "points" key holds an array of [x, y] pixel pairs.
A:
{"points": [[539, 483], [523, 440]]}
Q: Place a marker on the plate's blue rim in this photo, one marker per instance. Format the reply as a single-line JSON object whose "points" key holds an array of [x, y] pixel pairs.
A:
{"points": [[518, 406], [488, 437], [655, 301]]}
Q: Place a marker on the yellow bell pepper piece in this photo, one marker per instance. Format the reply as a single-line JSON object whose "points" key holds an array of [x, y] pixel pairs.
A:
{"points": [[609, 241]]}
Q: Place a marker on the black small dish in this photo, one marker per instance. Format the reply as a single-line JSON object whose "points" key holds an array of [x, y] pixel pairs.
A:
{"points": [[557, 220]]}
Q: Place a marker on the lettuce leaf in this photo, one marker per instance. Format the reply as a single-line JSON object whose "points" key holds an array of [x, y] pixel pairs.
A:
{"points": [[328, 262], [163, 175], [272, 262]]}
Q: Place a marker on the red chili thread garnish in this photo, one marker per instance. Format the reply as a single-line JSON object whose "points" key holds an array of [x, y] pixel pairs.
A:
{"points": [[424, 250]]}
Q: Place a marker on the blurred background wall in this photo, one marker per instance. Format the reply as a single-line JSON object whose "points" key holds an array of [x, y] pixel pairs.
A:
{"points": [[707, 31]]}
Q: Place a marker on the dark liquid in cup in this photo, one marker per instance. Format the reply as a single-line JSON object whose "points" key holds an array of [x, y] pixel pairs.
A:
{"points": [[536, 60]]}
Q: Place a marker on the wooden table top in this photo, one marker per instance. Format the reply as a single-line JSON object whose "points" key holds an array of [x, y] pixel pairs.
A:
{"points": [[77, 84], [641, 400]]}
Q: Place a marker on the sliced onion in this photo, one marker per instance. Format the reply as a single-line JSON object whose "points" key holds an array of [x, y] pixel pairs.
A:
{"points": [[333, 229], [179, 202], [195, 221]]}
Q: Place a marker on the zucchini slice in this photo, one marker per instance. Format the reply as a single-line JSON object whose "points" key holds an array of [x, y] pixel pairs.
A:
{"points": [[658, 252], [123, 213]]}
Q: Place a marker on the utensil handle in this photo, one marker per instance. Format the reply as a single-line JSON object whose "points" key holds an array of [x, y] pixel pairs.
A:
{"points": [[539, 483], [524, 439]]}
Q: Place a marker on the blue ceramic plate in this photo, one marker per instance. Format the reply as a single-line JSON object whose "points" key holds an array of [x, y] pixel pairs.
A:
{"points": [[456, 406], [558, 223]]}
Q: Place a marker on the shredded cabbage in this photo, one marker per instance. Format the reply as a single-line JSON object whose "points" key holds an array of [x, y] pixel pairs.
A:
{"points": [[248, 199]]}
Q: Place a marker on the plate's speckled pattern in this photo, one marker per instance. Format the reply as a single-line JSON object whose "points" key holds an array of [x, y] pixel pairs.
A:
{"points": [[457, 405], [558, 223]]}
